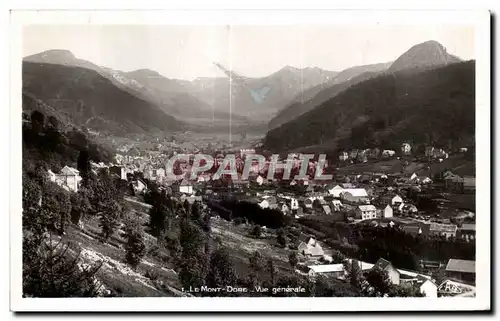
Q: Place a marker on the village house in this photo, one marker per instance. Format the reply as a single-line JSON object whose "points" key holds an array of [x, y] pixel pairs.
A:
{"points": [[387, 212], [119, 171], [414, 230], [139, 186], [407, 208], [330, 270], [446, 230], [450, 288], [392, 272], [294, 203], [467, 232], [406, 149], [424, 285], [68, 178], [355, 195], [337, 205], [336, 191], [326, 209], [396, 200], [432, 152], [309, 247], [284, 207], [183, 186], [343, 156], [366, 212], [464, 270], [269, 202], [388, 153]]}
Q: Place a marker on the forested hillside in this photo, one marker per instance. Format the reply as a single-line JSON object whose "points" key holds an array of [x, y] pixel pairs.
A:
{"points": [[89, 99], [434, 106]]}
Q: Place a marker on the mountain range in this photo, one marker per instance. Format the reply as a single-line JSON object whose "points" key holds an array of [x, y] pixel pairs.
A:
{"points": [[143, 100], [425, 96], [316, 95], [243, 100]]}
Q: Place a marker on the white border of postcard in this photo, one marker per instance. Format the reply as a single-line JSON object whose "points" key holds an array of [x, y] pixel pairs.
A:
{"points": [[479, 19]]}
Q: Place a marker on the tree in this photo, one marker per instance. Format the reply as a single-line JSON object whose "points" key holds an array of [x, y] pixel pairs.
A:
{"points": [[379, 280], [273, 271], [281, 238], [51, 271], [221, 272], [174, 248], [158, 217], [80, 205], [292, 259], [353, 273], [338, 257], [196, 213], [193, 264], [135, 247], [256, 267], [56, 203], [205, 224], [257, 231], [111, 213], [37, 121], [83, 165]]}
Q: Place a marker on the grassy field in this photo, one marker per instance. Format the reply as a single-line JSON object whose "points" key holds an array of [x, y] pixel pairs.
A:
{"points": [[456, 163], [242, 245], [153, 277]]}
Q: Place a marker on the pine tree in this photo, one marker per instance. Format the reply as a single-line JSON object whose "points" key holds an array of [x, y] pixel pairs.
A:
{"points": [[221, 272], [135, 247], [281, 238], [158, 218], [256, 267], [51, 271], [273, 271], [193, 264], [353, 273], [109, 219], [83, 165], [292, 259], [174, 248]]}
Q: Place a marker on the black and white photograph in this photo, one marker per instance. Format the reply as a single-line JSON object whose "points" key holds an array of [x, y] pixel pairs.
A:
{"points": [[214, 158]]}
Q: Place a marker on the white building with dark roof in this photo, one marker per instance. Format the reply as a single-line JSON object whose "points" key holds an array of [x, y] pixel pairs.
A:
{"points": [[366, 212]]}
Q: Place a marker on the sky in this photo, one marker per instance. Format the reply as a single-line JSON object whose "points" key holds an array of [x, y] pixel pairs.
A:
{"points": [[188, 52]]}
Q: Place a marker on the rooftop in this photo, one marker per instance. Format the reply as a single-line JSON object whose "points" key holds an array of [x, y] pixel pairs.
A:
{"points": [[356, 192], [326, 268], [468, 227], [442, 227], [465, 266], [364, 208]]}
